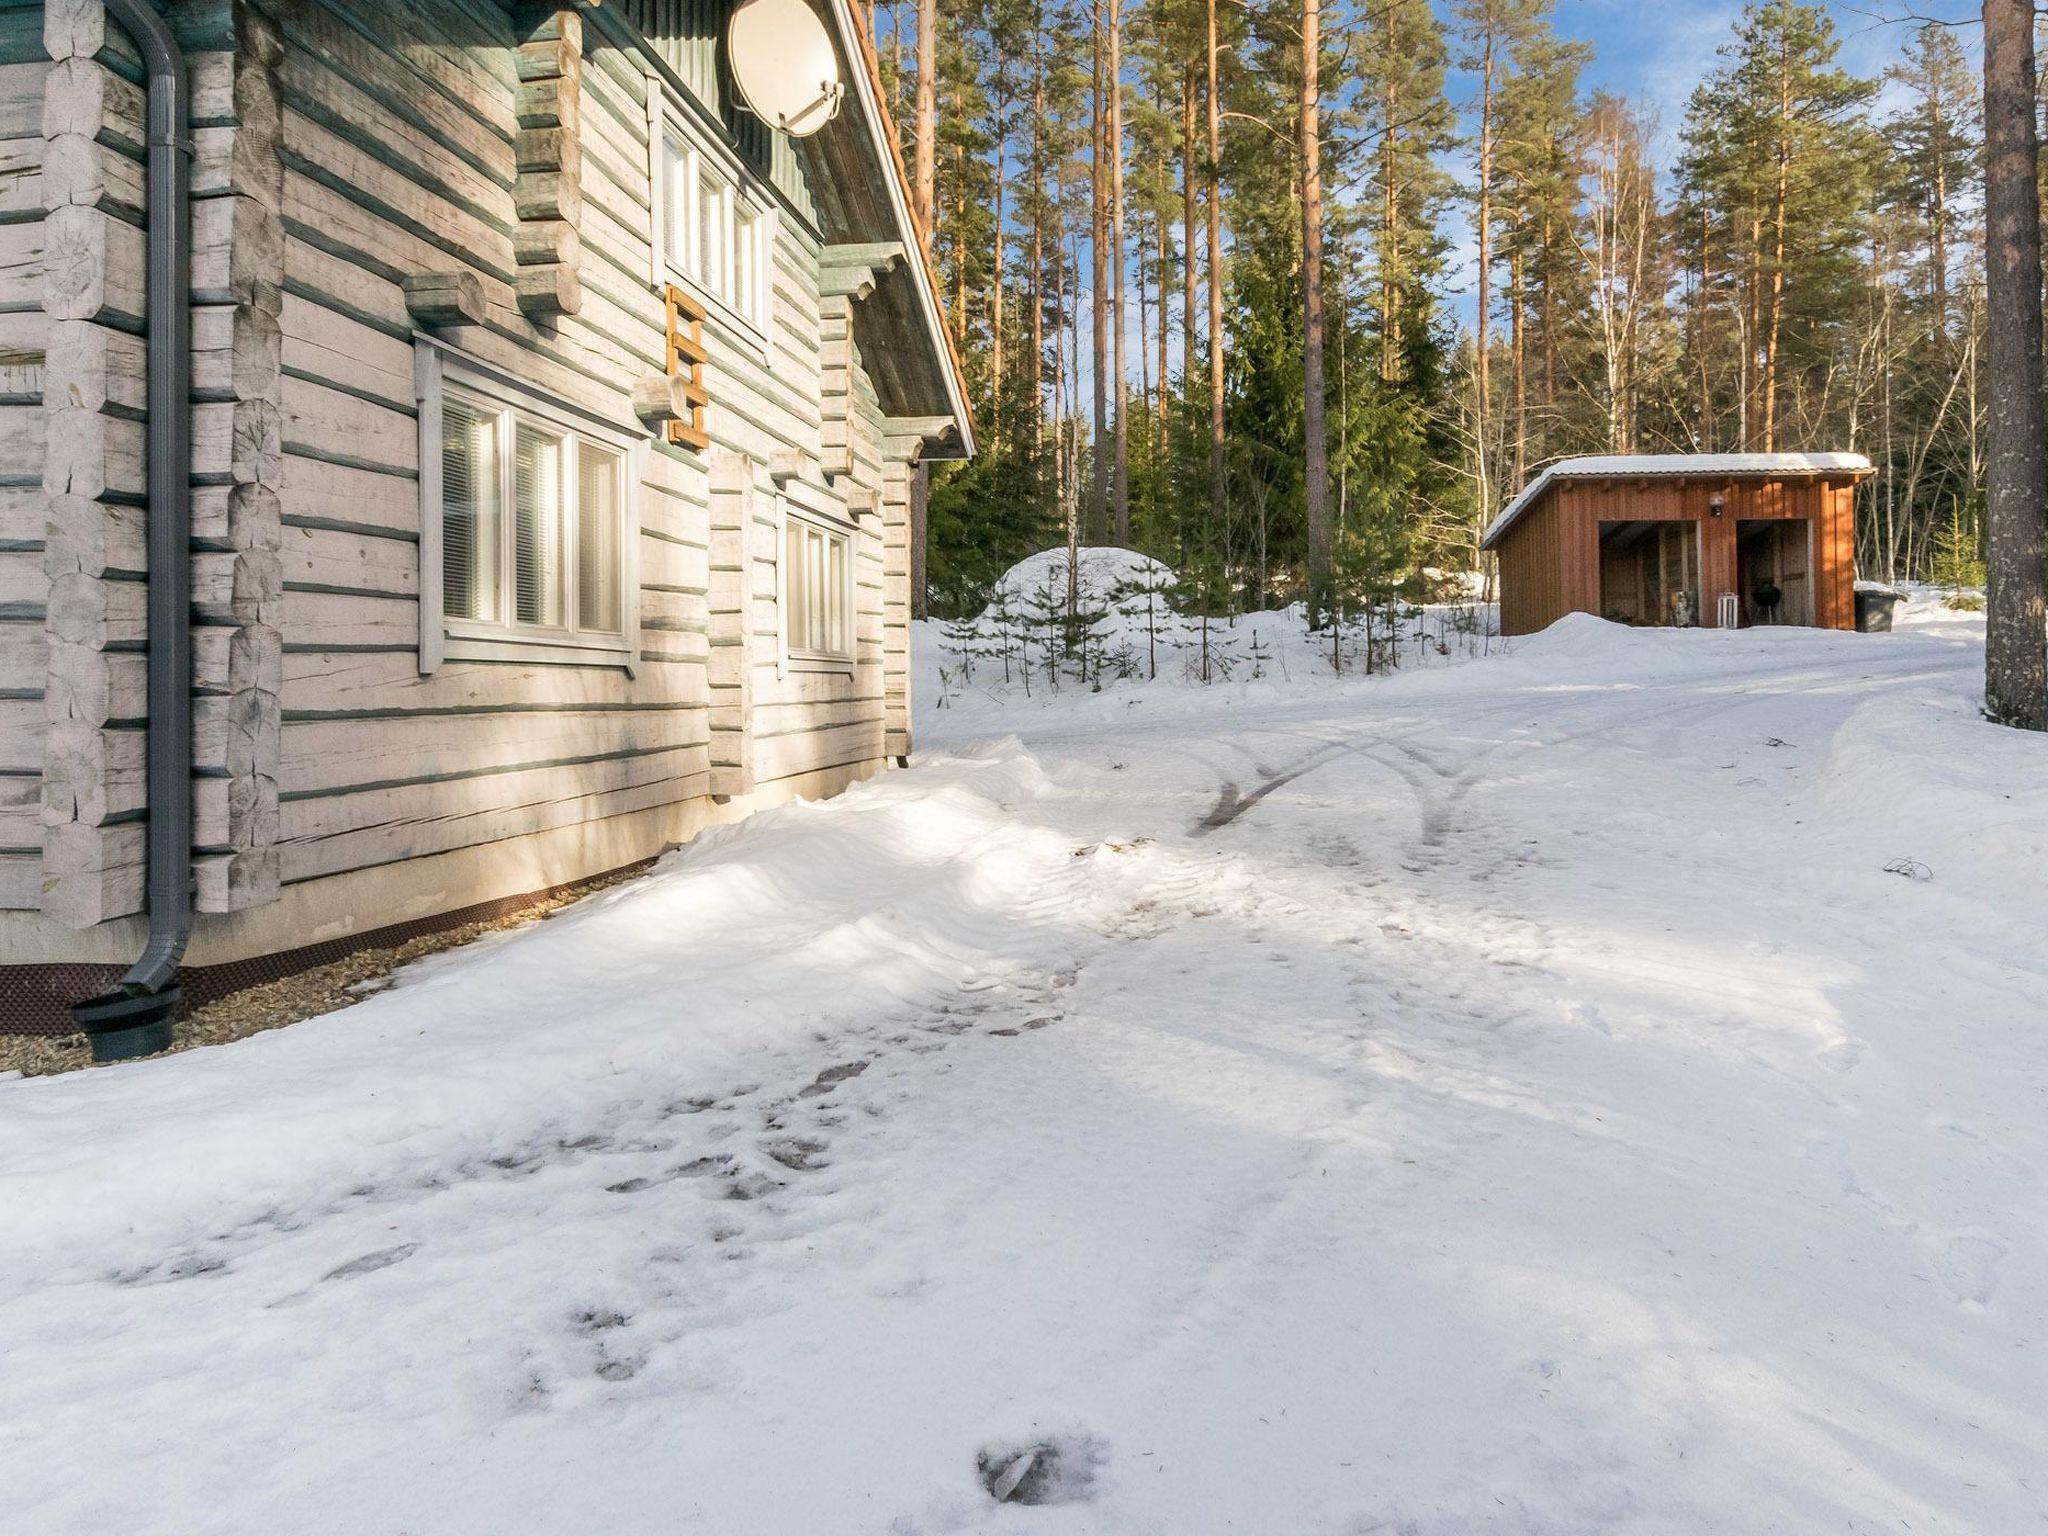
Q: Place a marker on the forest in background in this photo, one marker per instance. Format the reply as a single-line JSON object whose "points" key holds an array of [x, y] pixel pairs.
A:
{"points": [[1198, 256]]}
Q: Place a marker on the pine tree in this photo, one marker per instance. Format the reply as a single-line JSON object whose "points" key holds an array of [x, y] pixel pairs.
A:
{"points": [[1776, 170], [1934, 140]]}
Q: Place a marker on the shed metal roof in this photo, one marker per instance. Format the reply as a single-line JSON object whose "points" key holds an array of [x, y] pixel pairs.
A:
{"points": [[1700, 466]]}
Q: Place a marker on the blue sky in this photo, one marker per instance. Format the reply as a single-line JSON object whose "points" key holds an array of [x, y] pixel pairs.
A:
{"points": [[1656, 51]]}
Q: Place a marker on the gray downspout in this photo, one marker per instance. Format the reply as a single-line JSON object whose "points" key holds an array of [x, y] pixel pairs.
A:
{"points": [[136, 1017]]}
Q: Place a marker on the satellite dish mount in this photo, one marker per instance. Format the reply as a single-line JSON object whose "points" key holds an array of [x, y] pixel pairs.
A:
{"points": [[784, 64]]}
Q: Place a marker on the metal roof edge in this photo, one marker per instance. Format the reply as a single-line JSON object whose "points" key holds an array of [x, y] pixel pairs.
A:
{"points": [[1671, 467]]}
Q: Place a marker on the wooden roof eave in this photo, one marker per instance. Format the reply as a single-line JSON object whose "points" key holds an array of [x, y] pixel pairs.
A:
{"points": [[861, 189]]}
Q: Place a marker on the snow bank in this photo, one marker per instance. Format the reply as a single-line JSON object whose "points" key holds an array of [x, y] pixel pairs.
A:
{"points": [[1508, 1099], [1021, 652], [783, 924], [1941, 786], [1101, 570]]}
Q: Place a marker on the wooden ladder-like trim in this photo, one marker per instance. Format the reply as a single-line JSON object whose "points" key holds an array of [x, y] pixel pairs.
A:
{"points": [[686, 359]]}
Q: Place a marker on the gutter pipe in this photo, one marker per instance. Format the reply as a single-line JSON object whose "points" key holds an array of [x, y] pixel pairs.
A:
{"points": [[135, 1018]]}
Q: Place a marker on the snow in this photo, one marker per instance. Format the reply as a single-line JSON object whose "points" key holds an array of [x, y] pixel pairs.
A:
{"points": [[1100, 570], [1504, 1097], [1648, 465], [1017, 656]]}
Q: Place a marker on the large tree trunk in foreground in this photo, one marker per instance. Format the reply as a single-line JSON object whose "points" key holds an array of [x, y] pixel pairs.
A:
{"points": [[2016, 483]]}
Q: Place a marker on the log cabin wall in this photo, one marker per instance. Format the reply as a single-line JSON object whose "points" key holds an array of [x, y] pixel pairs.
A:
{"points": [[383, 173], [91, 471], [1550, 556], [25, 66]]}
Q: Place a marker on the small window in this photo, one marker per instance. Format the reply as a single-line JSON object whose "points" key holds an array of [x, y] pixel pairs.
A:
{"points": [[675, 174], [715, 236], [817, 587], [748, 265]]}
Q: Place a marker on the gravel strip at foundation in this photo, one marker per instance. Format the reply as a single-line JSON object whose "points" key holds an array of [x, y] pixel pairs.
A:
{"points": [[303, 995]]}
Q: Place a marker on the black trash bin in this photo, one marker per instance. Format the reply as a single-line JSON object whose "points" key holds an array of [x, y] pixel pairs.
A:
{"points": [[1876, 607]]}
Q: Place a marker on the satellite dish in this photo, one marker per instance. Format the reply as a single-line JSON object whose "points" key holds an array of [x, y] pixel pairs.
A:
{"points": [[784, 64]]}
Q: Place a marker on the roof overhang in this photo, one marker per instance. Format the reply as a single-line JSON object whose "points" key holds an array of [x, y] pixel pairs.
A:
{"points": [[861, 188], [1680, 466]]}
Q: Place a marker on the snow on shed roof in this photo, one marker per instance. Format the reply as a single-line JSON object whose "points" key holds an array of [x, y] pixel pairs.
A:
{"points": [[1705, 465]]}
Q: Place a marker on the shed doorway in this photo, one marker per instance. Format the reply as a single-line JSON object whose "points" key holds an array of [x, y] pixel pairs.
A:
{"points": [[1650, 573], [1773, 570]]}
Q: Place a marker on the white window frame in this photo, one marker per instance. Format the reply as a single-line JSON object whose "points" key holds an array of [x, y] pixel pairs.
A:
{"points": [[439, 369], [678, 210], [816, 517]]}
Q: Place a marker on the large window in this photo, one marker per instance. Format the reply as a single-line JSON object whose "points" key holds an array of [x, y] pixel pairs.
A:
{"points": [[524, 523], [715, 236], [817, 586]]}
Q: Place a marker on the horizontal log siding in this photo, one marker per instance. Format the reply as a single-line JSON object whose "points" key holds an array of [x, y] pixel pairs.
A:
{"points": [[24, 505], [398, 150]]}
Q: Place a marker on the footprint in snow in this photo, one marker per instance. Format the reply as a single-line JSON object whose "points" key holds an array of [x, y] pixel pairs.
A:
{"points": [[1054, 1469], [799, 1153], [188, 1267], [1842, 1056], [832, 1077], [370, 1263], [1968, 1265]]}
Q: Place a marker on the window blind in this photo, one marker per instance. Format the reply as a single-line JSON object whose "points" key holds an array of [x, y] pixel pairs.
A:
{"points": [[469, 511], [597, 538], [537, 526]]}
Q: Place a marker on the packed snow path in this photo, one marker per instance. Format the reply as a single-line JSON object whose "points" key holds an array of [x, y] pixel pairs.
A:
{"points": [[1516, 1098]]}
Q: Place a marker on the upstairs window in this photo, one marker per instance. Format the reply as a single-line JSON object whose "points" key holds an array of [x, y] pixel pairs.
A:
{"points": [[716, 238]]}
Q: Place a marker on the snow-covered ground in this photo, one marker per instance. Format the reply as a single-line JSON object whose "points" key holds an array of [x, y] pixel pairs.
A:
{"points": [[1022, 649], [1510, 1097]]}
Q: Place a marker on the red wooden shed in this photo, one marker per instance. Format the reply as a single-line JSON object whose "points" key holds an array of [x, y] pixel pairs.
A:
{"points": [[1713, 539]]}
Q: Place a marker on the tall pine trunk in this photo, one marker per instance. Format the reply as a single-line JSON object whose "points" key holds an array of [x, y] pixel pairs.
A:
{"points": [[1161, 276], [1518, 364], [1098, 239], [2016, 478], [1214, 171], [1121, 492], [1482, 404], [1390, 220], [1190, 325], [997, 273], [1038, 226], [927, 139], [1778, 215], [926, 194], [1315, 429]]}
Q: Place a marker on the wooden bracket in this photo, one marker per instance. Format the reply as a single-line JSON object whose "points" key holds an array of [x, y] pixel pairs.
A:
{"points": [[851, 271], [444, 298], [787, 464]]}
